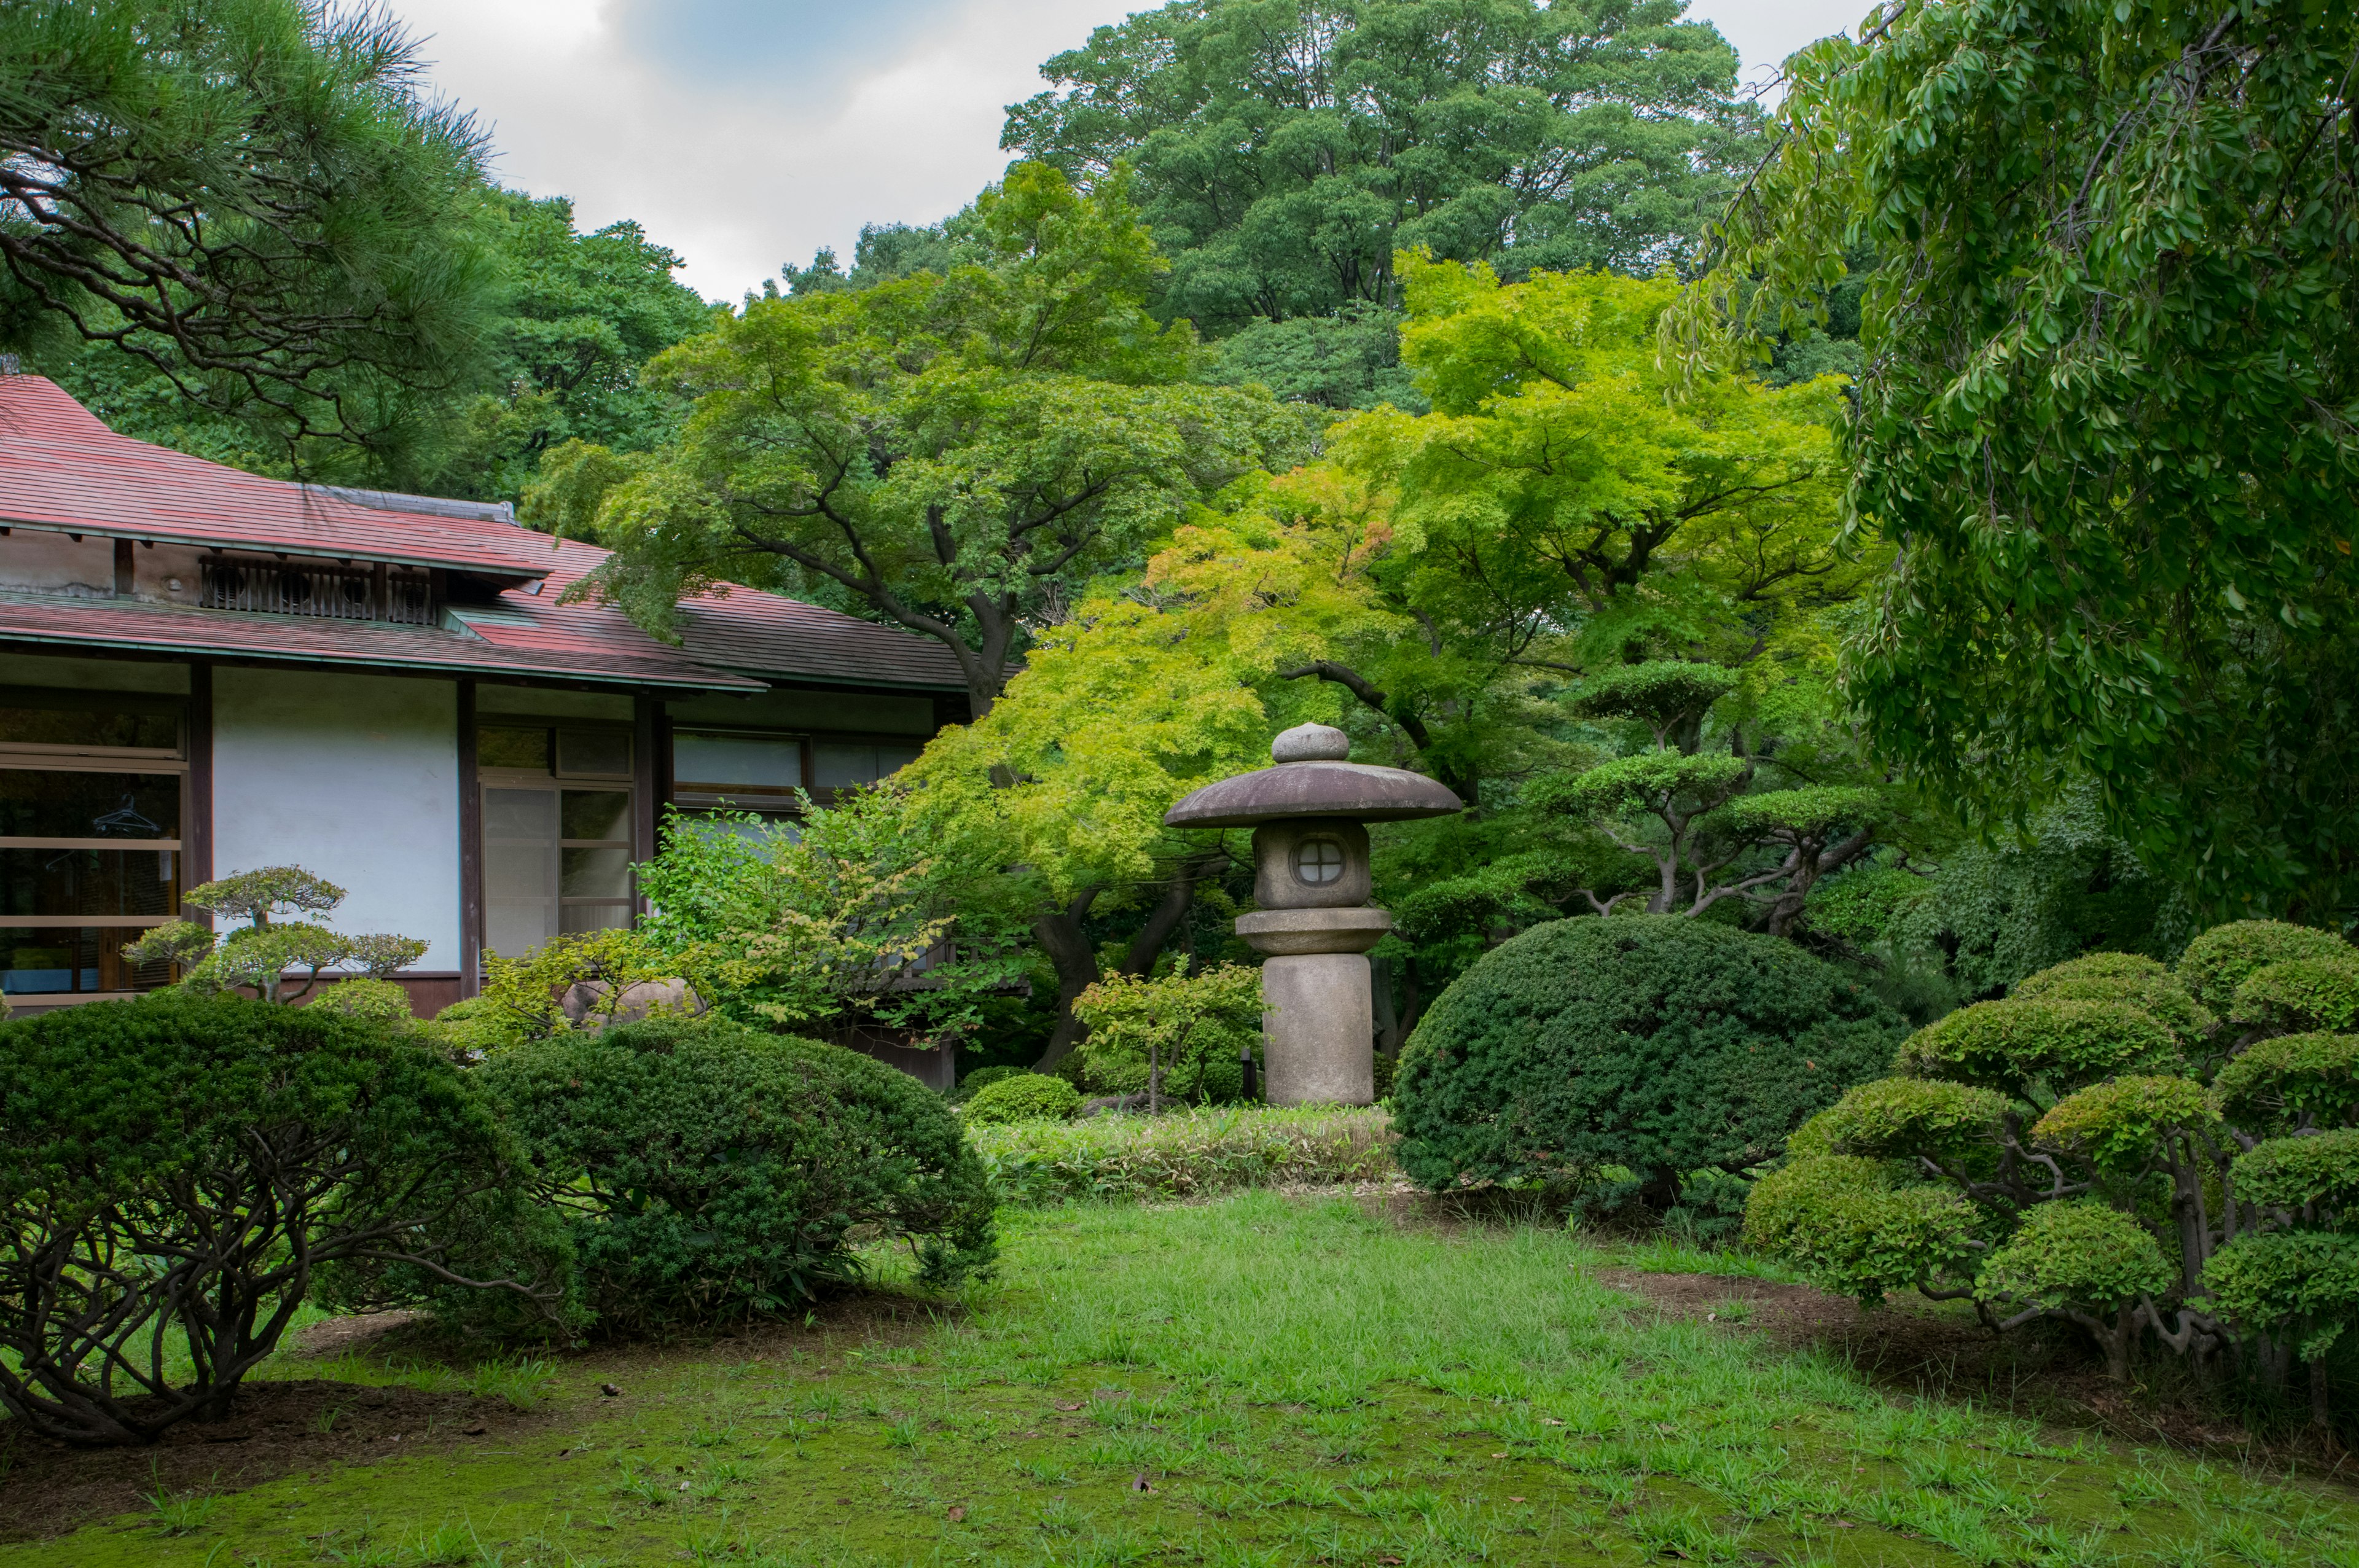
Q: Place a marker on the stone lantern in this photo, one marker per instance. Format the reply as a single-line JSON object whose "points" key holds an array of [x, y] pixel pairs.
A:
{"points": [[1311, 879]]}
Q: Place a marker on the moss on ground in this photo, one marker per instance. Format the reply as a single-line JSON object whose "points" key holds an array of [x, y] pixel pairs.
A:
{"points": [[1249, 1382]]}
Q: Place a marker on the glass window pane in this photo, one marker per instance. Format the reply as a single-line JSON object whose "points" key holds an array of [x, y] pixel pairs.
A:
{"points": [[604, 751], [46, 961], [505, 746], [78, 726], [520, 814], [595, 873], [86, 882], [36, 962], [520, 870], [596, 917], [513, 928], [891, 760], [89, 806], [598, 814], [835, 765], [712, 760]]}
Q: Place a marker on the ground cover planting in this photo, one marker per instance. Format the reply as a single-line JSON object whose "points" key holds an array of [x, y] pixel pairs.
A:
{"points": [[1255, 1379]]}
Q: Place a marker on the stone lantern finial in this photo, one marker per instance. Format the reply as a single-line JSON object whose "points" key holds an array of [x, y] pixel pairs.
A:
{"points": [[1311, 743], [1311, 879]]}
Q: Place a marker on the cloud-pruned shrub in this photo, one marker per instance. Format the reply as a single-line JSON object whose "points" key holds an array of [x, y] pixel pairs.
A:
{"points": [[1658, 1044], [2165, 1157]]}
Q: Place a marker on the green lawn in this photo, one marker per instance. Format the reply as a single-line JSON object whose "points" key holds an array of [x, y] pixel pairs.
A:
{"points": [[1256, 1380]]}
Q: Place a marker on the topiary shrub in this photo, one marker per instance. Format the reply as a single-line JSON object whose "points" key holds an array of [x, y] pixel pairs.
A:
{"points": [[2094, 1174], [381, 1001], [1656, 1042], [1024, 1097], [711, 1173], [2220, 960], [176, 1175]]}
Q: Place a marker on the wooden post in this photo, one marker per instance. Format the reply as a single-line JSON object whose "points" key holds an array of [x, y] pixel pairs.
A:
{"points": [[470, 850], [197, 805]]}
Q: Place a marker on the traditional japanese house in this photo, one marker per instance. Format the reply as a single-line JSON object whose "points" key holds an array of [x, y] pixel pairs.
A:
{"points": [[203, 672]]}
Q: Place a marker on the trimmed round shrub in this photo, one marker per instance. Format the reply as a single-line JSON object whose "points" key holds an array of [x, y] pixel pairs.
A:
{"points": [[982, 1079], [1858, 1230], [2224, 958], [361, 997], [2299, 994], [1904, 1116], [2057, 1041], [2117, 1122], [1025, 1097], [2077, 1252], [713, 1173], [1658, 1044], [2290, 1173], [2128, 978], [179, 1174], [2272, 1083]]}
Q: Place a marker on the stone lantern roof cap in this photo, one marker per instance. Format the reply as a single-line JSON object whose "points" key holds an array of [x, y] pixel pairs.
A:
{"points": [[1312, 780]]}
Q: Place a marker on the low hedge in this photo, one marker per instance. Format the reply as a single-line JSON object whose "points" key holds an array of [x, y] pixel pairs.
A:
{"points": [[1184, 1153]]}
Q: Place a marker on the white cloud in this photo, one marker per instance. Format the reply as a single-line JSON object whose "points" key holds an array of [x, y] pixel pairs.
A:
{"points": [[745, 133]]}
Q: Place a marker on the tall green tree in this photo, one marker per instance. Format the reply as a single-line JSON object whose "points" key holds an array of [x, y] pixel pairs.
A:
{"points": [[1286, 150], [256, 199], [955, 454], [578, 315], [2107, 409]]}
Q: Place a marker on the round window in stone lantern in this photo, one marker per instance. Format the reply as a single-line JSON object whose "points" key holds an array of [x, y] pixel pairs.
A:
{"points": [[1308, 814]]}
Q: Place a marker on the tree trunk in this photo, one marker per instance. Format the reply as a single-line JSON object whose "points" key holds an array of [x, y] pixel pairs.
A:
{"points": [[1170, 911], [2318, 1410], [1069, 952]]}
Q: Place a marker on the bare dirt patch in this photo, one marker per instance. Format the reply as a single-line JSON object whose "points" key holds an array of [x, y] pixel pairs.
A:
{"points": [[275, 1429]]}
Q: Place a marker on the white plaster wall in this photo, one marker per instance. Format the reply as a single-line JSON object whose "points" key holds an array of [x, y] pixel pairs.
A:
{"points": [[353, 777]]}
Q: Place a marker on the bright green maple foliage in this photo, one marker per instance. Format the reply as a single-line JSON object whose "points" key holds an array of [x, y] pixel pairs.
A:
{"points": [[2108, 409], [955, 455], [1287, 148]]}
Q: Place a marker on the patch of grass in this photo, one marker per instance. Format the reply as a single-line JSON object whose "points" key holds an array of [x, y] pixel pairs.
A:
{"points": [[1253, 1381]]}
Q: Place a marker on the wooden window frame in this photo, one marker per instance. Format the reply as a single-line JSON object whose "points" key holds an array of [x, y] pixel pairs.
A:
{"points": [[68, 757]]}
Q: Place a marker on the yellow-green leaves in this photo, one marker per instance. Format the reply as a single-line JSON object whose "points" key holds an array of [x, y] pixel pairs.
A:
{"points": [[2120, 1124], [2078, 1253], [1903, 1117]]}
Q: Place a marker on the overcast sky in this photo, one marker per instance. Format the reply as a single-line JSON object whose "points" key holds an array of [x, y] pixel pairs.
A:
{"points": [[746, 132]]}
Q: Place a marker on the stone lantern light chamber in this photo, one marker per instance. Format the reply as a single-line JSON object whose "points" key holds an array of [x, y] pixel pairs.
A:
{"points": [[1308, 812]]}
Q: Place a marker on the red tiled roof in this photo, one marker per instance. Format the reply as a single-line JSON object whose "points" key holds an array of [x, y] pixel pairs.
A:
{"points": [[53, 451], [61, 469], [103, 623], [741, 628]]}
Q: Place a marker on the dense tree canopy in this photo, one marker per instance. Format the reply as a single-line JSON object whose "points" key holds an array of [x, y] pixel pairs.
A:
{"points": [[1285, 148], [955, 454], [252, 197], [2106, 412], [569, 320]]}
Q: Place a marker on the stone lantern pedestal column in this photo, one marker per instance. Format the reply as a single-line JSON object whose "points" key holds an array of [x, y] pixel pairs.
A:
{"points": [[1311, 879]]}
